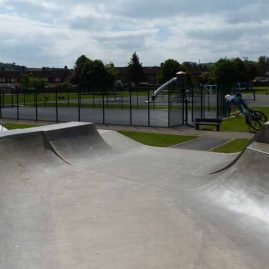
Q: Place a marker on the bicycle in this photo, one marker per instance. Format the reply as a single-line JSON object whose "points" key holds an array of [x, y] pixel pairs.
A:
{"points": [[255, 119]]}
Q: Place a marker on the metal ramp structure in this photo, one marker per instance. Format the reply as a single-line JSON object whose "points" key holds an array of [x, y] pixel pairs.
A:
{"points": [[75, 197]]}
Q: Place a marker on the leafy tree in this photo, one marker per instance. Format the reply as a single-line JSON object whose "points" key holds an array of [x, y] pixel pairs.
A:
{"points": [[65, 85], [135, 70], [93, 73], [25, 81], [263, 59], [111, 73], [206, 77], [90, 73], [79, 66], [251, 70], [38, 83], [168, 70], [229, 71], [263, 65]]}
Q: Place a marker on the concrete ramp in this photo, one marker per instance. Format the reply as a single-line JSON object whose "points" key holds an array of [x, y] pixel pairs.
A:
{"points": [[73, 197], [71, 142]]}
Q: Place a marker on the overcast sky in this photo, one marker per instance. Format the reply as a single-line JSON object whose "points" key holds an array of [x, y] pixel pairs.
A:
{"points": [[55, 33]]}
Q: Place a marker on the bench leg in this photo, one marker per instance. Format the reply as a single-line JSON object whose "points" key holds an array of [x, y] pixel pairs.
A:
{"points": [[196, 126], [218, 127]]}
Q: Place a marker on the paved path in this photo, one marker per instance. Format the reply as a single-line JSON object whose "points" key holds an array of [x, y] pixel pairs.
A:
{"points": [[182, 130], [202, 143]]}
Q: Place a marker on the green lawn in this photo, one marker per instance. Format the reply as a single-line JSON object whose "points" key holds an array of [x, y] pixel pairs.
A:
{"points": [[11, 126], [157, 140], [261, 90], [235, 145], [237, 124]]}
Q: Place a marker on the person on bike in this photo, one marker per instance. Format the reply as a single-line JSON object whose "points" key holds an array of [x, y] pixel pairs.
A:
{"points": [[238, 101]]}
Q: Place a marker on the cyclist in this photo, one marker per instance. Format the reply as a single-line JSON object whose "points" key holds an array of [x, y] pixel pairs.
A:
{"points": [[238, 101]]}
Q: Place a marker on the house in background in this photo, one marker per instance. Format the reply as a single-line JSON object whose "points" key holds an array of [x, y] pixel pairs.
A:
{"points": [[150, 73], [53, 76]]}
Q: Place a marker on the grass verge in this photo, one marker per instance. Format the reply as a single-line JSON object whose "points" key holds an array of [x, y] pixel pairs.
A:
{"points": [[157, 140], [233, 146], [238, 124], [11, 126]]}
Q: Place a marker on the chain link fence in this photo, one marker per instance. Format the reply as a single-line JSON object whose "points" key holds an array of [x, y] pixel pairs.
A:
{"points": [[174, 106]]}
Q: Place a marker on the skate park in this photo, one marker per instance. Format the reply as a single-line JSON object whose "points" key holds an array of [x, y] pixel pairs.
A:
{"points": [[74, 195], [134, 135], [105, 201]]}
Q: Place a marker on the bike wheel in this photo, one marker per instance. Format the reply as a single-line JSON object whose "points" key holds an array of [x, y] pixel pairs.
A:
{"points": [[255, 124], [261, 116]]}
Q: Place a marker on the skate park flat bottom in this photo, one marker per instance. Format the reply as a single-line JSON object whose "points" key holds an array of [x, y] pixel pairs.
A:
{"points": [[75, 197]]}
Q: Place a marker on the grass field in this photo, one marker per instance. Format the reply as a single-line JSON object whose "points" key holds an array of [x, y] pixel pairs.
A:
{"points": [[157, 140], [165, 140], [11, 125], [237, 123], [261, 90], [233, 146]]}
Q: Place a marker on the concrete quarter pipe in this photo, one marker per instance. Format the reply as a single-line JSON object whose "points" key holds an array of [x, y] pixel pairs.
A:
{"points": [[73, 197]]}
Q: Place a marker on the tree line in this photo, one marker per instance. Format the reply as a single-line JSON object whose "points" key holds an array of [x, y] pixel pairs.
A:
{"points": [[96, 74], [224, 71]]}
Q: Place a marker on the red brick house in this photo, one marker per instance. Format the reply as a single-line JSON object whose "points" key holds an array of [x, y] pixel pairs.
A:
{"points": [[150, 73], [12, 78]]}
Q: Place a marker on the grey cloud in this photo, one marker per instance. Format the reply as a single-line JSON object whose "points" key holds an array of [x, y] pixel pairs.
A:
{"points": [[151, 8], [26, 53], [227, 33], [256, 12], [87, 24], [31, 10], [211, 28], [129, 43]]}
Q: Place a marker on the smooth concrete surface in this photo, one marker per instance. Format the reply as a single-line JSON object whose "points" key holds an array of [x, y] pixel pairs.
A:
{"points": [[73, 197]]}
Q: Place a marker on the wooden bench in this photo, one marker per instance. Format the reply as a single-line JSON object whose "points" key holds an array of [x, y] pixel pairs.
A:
{"points": [[213, 122], [61, 98]]}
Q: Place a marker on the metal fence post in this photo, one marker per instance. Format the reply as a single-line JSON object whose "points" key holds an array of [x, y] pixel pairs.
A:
{"points": [[169, 107], [148, 110], [12, 100], [1, 104], [68, 98], [130, 100], [186, 111], [79, 101], [93, 97], [18, 115], [192, 103], [201, 94], [103, 103], [56, 104], [217, 95], [24, 97], [45, 98], [107, 94], [36, 112], [136, 98]]}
